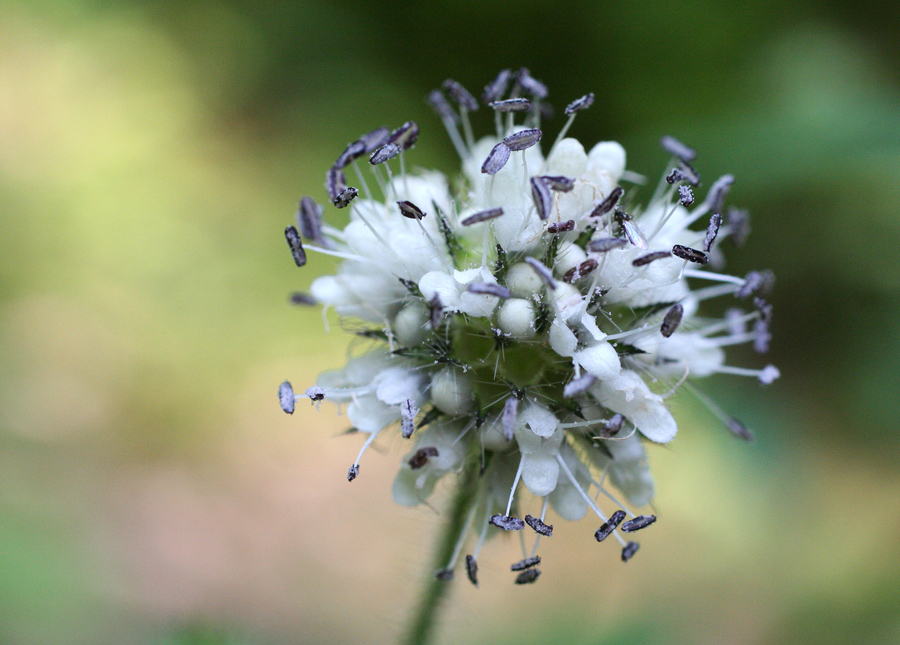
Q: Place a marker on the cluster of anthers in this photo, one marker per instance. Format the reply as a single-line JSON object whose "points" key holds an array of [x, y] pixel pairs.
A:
{"points": [[529, 326]]}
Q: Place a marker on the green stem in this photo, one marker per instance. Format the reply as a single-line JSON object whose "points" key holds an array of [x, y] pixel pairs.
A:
{"points": [[423, 624]]}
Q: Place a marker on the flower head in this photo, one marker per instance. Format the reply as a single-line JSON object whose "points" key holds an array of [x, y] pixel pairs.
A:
{"points": [[530, 326]]}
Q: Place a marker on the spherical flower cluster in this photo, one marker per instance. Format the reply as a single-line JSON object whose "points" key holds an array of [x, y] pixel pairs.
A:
{"points": [[527, 328]]}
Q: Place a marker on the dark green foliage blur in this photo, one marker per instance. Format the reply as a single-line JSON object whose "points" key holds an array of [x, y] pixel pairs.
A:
{"points": [[151, 154]]}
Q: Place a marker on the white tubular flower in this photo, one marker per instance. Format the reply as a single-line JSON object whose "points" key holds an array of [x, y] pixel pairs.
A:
{"points": [[529, 328]]}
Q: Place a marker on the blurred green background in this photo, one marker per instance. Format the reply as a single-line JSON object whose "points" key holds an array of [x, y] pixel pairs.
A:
{"points": [[151, 154]]}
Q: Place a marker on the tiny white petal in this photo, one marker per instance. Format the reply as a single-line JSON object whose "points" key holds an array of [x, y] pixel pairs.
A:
{"points": [[600, 360], [628, 395], [562, 339]]}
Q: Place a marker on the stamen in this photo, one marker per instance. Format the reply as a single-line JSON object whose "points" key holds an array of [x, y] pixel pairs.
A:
{"points": [[671, 321], [688, 174], [497, 87], [689, 254], [612, 427], [352, 152], [405, 136], [685, 195], [496, 159], [507, 523], [460, 94], [352, 472], [384, 153], [561, 227], [509, 417], [629, 550], [435, 312], [650, 257], [309, 219], [482, 216], [293, 239], [738, 221], [335, 183], [472, 569], [408, 412], [528, 577], [583, 269], [286, 397], [375, 139], [677, 149], [764, 309], [755, 282], [766, 375], [345, 197], [511, 105], [579, 385], [421, 457], [605, 244], [444, 575], [610, 525], [486, 288], [638, 523], [583, 103], [674, 177], [543, 200], [410, 210], [761, 336], [303, 299], [315, 393], [738, 429], [539, 527], [715, 199], [530, 84], [543, 272], [715, 221], [523, 139], [559, 183], [527, 563]]}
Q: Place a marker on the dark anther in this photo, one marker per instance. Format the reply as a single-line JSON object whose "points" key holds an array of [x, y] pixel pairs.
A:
{"points": [[647, 258], [561, 227], [523, 139], [559, 183], [685, 195], [302, 299], [761, 336], [309, 218], [538, 526], [292, 235], [527, 577], [435, 311], [675, 176], [738, 429], [286, 397], [672, 320], [472, 569], [579, 385], [545, 274], [511, 105], [408, 412], [335, 182], [738, 221], [689, 254], [612, 427], [629, 550], [385, 152], [315, 393], [460, 94], [375, 139], [405, 136], [583, 103], [482, 216], [488, 289], [638, 523], [439, 103], [756, 282], [444, 575], [609, 526], [352, 472], [345, 197], [715, 221], [530, 84], [496, 159], [497, 88], [421, 457], [605, 244], [410, 210], [715, 199], [509, 416], [351, 153], [583, 269], [507, 523], [527, 563], [677, 149], [764, 308], [609, 203], [543, 199], [689, 174]]}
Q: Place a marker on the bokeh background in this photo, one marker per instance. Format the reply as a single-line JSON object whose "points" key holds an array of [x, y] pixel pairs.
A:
{"points": [[151, 153]]}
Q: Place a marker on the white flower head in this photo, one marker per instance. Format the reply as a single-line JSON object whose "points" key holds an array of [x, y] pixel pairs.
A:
{"points": [[528, 329]]}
